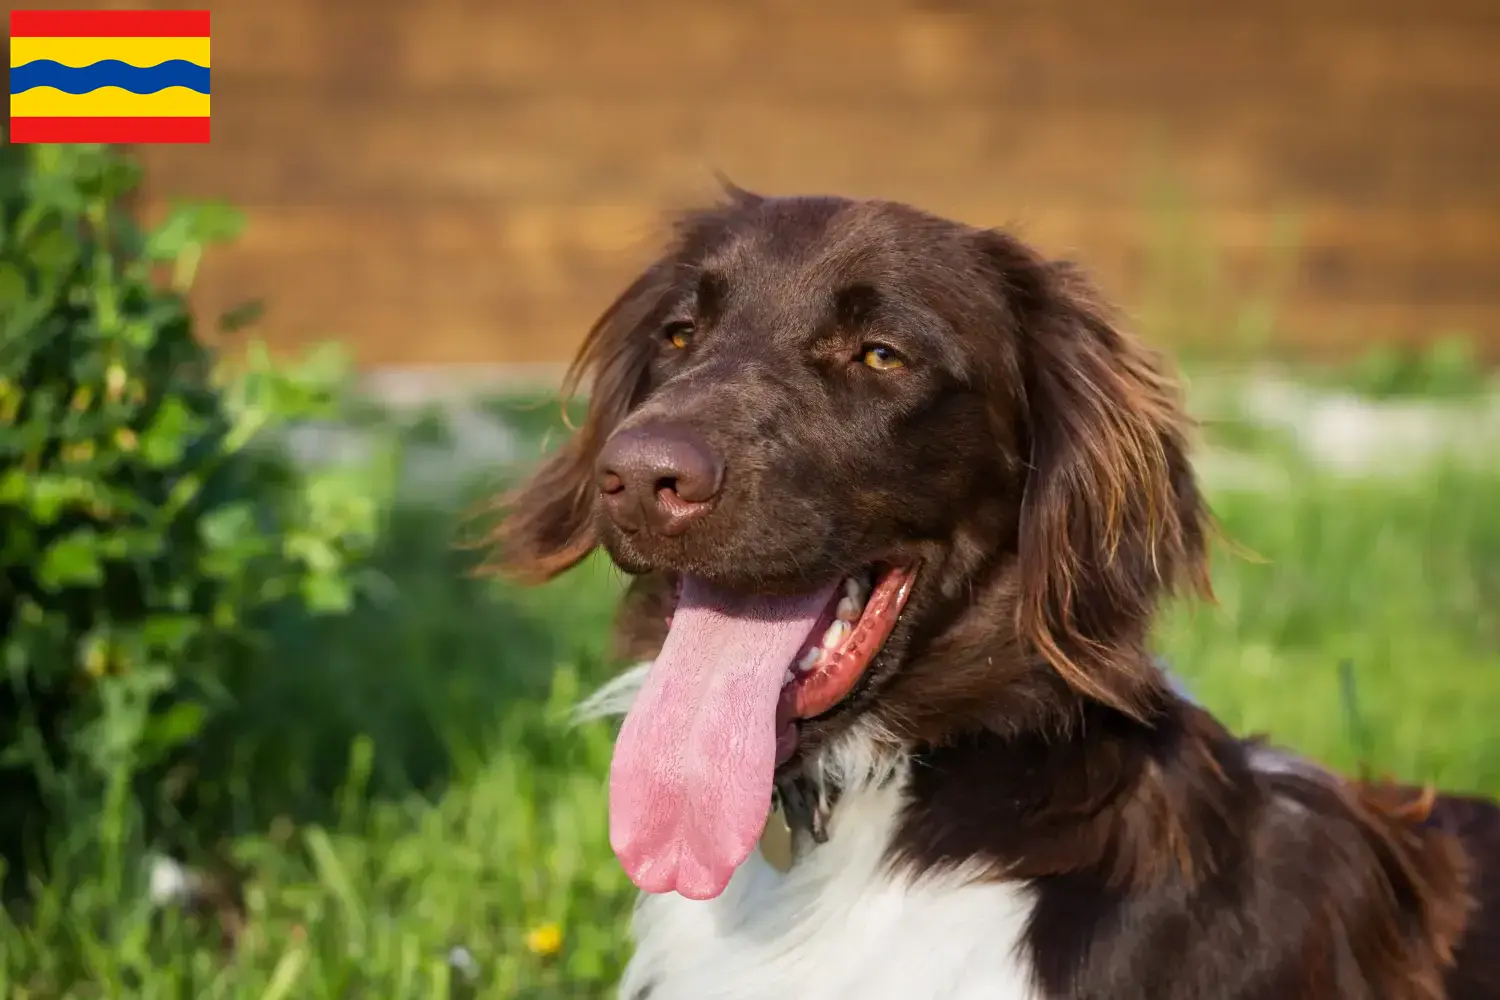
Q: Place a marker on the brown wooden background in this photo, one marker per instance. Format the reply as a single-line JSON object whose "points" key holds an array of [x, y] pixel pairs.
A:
{"points": [[472, 180]]}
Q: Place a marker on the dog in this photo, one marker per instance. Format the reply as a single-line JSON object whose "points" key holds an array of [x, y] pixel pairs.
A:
{"points": [[899, 498]]}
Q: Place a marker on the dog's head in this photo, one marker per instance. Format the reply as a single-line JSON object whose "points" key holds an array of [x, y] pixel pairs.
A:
{"points": [[880, 469]]}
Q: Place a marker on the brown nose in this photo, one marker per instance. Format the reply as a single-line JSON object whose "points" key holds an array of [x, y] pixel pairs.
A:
{"points": [[661, 476]]}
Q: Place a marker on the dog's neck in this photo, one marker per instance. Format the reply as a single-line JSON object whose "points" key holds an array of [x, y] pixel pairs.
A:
{"points": [[1084, 789]]}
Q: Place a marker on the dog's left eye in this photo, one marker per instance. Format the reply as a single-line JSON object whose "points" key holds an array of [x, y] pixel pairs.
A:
{"points": [[679, 335], [880, 357]]}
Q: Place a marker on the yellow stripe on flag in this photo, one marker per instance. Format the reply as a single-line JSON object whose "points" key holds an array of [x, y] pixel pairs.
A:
{"points": [[108, 102], [86, 51]]}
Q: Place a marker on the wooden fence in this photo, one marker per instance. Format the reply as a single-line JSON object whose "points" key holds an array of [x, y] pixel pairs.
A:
{"points": [[472, 180]]}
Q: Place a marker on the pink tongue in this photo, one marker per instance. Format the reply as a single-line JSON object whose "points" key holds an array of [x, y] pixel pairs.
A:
{"points": [[690, 784]]}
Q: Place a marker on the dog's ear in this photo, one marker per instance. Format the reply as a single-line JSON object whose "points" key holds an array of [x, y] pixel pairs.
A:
{"points": [[1111, 516], [546, 525]]}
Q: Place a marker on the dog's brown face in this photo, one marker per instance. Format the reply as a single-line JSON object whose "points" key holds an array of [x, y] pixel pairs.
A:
{"points": [[872, 464]]}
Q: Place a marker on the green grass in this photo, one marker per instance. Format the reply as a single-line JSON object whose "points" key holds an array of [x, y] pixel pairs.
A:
{"points": [[402, 782], [1400, 580]]}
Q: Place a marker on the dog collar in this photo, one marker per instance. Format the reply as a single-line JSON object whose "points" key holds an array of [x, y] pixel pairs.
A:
{"points": [[797, 807], [777, 842]]}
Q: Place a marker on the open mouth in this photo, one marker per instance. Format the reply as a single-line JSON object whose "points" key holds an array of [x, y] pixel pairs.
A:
{"points": [[840, 648], [695, 761], [854, 626]]}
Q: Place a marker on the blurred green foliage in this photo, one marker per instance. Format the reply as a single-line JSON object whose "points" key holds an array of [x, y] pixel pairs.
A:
{"points": [[1448, 367], [146, 531]]}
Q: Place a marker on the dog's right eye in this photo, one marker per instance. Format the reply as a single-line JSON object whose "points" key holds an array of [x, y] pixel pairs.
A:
{"points": [[679, 335], [881, 358]]}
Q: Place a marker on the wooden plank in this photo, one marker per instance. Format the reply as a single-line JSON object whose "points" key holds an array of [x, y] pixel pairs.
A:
{"points": [[478, 178], [540, 247], [991, 50], [322, 151], [525, 286]]}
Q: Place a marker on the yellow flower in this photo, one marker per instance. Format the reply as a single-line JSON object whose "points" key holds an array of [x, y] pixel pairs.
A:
{"points": [[544, 940]]}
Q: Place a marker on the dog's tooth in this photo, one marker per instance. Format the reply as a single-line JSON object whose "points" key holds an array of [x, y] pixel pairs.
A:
{"points": [[836, 634], [810, 659], [853, 589], [790, 676], [848, 610]]}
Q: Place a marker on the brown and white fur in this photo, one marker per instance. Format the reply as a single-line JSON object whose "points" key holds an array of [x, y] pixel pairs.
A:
{"points": [[1011, 802]]}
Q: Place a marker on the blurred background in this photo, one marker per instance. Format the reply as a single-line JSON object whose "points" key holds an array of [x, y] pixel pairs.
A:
{"points": [[464, 182], [259, 702]]}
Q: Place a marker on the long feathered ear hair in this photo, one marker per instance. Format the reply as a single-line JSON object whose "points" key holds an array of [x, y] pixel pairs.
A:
{"points": [[1111, 515], [546, 525]]}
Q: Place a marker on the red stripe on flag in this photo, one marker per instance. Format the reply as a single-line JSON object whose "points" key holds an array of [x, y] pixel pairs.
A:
{"points": [[112, 130], [109, 24]]}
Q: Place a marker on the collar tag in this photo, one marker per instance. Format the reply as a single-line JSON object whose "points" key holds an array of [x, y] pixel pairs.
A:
{"points": [[776, 841]]}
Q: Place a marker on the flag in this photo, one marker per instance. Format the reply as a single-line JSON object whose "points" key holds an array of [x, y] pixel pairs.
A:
{"points": [[113, 76]]}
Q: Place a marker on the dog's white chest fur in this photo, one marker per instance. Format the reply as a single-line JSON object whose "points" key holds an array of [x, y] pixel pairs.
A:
{"points": [[839, 926]]}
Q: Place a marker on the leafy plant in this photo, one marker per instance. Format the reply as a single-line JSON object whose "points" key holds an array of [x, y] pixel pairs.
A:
{"points": [[147, 529]]}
